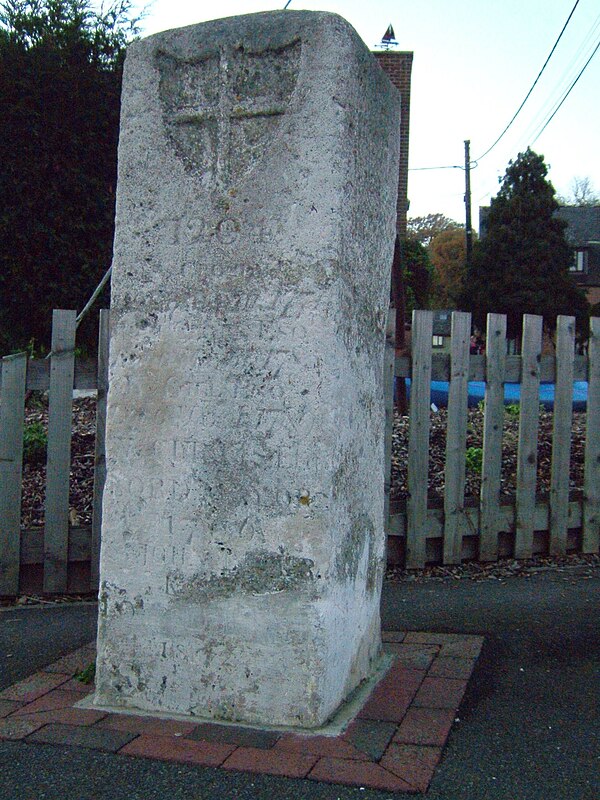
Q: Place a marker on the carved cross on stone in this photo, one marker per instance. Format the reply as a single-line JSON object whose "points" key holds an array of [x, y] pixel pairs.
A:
{"points": [[222, 111]]}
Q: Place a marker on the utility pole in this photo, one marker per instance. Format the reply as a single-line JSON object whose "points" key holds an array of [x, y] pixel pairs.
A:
{"points": [[468, 229]]}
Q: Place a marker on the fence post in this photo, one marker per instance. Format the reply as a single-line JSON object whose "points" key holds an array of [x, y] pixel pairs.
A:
{"points": [[60, 412], [531, 354], [489, 498], [591, 485], [418, 443], [100, 453], [12, 411], [561, 434], [388, 390], [456, 436]]}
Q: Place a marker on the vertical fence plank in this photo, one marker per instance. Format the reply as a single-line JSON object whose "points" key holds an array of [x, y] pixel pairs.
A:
{"points": [[12, 412], [60, 412], [531, 354], [456, 437], [492, 436], [100, 452], [591, 484], [418, 443], [388, 389], [561, 434]]}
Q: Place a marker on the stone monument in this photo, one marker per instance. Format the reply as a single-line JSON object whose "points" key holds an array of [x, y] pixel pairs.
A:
{"points": [[243, 542]]}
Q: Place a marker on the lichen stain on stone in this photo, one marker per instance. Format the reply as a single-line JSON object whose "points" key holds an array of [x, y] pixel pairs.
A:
{"points": [[114, 599], [375, 564], [344, 475], [353, 545], [261, 572]]}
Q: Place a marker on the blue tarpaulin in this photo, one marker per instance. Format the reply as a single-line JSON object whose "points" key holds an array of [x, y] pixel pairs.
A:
{"points": [[512, 393]]}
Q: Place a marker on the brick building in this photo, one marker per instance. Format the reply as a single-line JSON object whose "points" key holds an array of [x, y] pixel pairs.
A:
{"points": [[398, 67]]}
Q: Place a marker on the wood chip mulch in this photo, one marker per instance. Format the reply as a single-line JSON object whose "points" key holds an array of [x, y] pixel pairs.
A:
{"points": [[575, 566], [437, 454], [81, 483]]}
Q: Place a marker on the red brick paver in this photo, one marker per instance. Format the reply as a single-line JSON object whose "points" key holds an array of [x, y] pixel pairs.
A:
{"points": [[355, 773], [185, 751], [8, 707], [65, 716], [271, 762], [393, 695], [332, 746], [440, 693], [425, 726], [151, 726], [17, 727], [394, 742], [413, 764], [50, 701], [33, 687], [459, 668], [77, 686]]}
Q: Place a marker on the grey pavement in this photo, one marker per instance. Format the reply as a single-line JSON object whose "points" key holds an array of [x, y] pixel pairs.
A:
{"points": [[528, 727]]}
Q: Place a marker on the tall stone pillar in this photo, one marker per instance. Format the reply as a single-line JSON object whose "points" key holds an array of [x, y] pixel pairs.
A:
{"points": [[243, 543]]}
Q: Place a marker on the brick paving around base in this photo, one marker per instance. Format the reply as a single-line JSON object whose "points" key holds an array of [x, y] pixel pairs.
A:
{"points": [[394, 742]]}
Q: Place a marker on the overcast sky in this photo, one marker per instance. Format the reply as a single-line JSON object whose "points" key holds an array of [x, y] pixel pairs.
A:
{"points": [[474, 62]]}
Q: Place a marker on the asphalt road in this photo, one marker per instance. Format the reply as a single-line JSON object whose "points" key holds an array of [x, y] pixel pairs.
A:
{"points": [[528, 727]]}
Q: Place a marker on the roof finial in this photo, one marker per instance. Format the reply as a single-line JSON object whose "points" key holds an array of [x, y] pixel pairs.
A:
{"points": [[388, 39]]}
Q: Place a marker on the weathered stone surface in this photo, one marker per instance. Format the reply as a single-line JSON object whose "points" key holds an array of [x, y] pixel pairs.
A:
{"points": [[243, 543]]}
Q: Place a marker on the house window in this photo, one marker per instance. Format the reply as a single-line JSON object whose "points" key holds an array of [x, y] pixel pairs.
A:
{"points": [[579, 263], [437, 341]]}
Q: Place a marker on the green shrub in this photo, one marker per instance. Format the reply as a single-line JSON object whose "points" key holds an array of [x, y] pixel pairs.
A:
{"points": [[513, 409], [474, 459], [87, 675], [35, 440]]}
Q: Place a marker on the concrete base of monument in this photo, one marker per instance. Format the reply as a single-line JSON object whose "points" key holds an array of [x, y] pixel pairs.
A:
{"points": [[335, 726]]}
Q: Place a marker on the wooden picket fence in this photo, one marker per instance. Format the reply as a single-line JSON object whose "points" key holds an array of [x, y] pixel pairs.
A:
{"points": [[422, 533], [57, 558], [60, 558]]}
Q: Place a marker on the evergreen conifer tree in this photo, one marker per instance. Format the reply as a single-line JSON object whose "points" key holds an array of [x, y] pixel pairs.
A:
{"points": [[521, 263]]}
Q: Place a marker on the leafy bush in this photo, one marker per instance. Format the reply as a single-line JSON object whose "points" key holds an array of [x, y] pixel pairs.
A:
{"points": [[513, 409], [86, 675], [35, 440], [474, 459]]}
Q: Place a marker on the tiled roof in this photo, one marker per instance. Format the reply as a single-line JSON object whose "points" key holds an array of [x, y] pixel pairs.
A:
{"points": [[583, 223]]}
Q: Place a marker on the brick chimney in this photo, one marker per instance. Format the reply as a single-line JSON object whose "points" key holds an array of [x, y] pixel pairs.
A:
{"points": [[398, 66]]}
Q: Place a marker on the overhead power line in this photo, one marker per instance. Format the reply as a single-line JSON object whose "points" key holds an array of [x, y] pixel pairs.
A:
{"points": [[447, 166], [563, 84], [570, 89], [533, 85]]}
